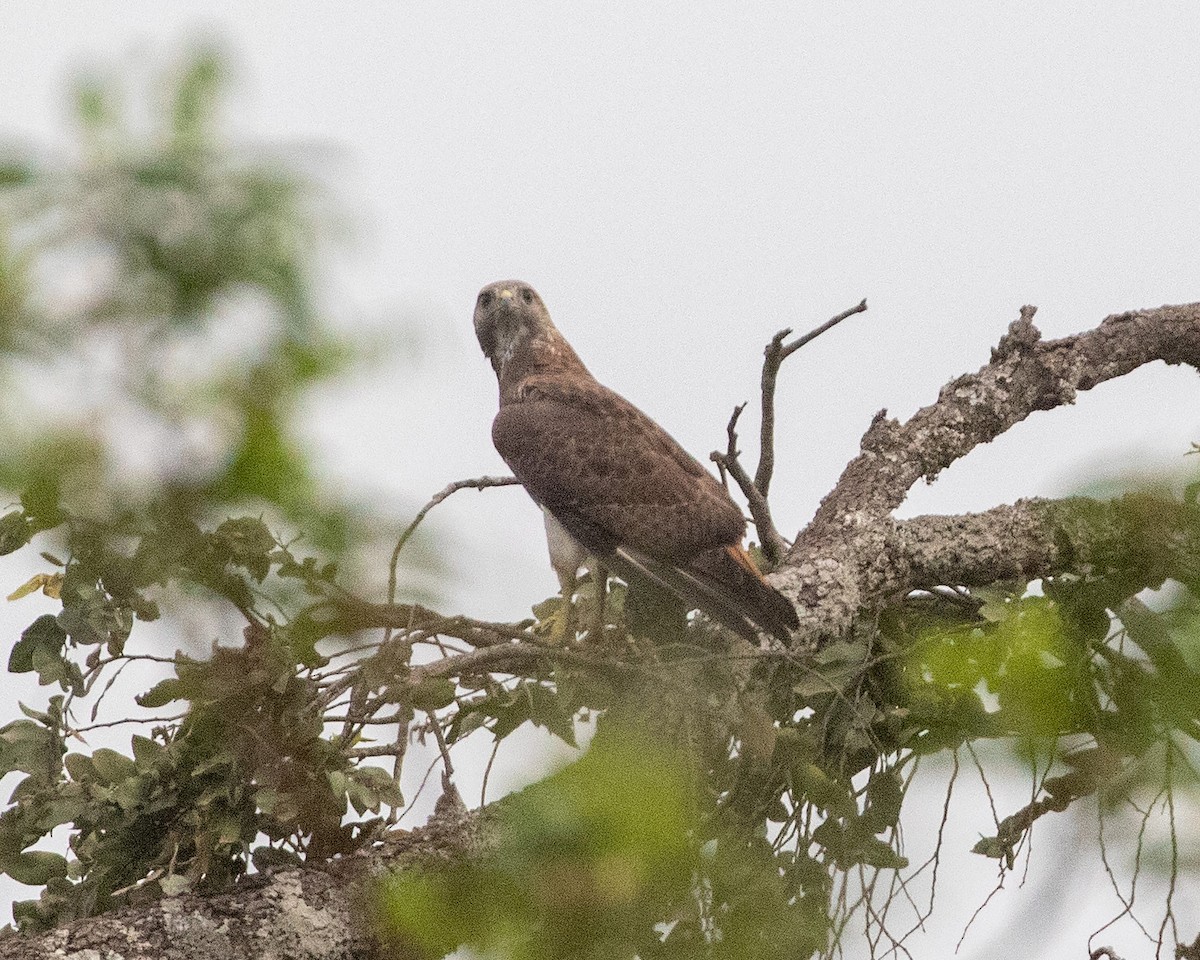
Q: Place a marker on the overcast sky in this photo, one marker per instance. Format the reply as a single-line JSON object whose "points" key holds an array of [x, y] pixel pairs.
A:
{"points": [[681, 180]]}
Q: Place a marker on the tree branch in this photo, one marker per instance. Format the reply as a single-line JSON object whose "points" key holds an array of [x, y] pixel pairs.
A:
{"points": [[853, 556], [1025, 374], [350, 615], [508, 657], [304, 914], [1036, 538]]}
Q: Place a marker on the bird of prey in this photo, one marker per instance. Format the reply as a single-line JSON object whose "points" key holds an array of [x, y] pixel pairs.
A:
{"points": [[611, 482]]}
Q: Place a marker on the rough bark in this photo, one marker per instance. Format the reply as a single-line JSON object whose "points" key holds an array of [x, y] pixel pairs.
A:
{"points": [[854, 556], [302, 914], [297, 915]]}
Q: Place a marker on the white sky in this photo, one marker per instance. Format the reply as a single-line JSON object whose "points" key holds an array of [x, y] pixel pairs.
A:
{"points": [[680, 181]]}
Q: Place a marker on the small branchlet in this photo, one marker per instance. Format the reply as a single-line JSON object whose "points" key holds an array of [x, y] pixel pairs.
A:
{"points": [[756, 490]]}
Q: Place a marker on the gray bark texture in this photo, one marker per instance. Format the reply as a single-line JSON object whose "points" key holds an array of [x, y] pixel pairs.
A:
{"points": [[303, 914], [298, 915], [853, 558]]}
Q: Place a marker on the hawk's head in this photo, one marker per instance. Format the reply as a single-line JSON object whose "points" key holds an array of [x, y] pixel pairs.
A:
{"points": [[507, 314]]}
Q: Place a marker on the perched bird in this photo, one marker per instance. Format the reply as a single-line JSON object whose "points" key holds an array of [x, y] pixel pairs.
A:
{"points": [[611, 481]]}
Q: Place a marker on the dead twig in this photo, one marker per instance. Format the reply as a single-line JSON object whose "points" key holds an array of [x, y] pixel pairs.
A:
{"points": [[1061, 793], [773, 544], [773, 356], [755, 490], [436, 726], [475, 483]]}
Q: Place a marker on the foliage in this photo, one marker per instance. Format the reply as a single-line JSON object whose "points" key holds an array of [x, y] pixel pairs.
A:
{"points": [[734, 801], [158, 325], [602, 860], [798, 769], [159, 337], [245, 773]]}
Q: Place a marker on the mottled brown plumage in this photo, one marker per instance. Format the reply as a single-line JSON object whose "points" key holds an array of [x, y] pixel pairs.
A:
{"points": [[611, 476]]}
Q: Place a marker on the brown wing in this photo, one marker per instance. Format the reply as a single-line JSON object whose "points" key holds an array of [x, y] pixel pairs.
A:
{"points": [[586, 453]]}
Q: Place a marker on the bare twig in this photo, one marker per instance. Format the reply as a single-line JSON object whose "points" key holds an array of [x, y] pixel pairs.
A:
{"points": [[513, 655], [475, 483], [399, 751], [400, 745], [728, 463], [436, 726], [487, 772], [773, 356], [75, 731], [773, 544]]}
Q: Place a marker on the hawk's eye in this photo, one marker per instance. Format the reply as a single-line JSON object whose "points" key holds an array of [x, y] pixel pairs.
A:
{"points": [[485, 298], [527, 296]]}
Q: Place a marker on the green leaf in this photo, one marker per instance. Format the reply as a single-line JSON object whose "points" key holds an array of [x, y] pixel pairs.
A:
{"points": [[267, 800], [249, 543], [822, 791], [43, 634], [557, 721], [832, 669], [266, 858], [31, 748], [34, 867], [547, 608], [175, 884], [130, 793], [380, 783], [162, 693], [93, 105], [465, 722], [196, 94], [146, 752], [79, 767], [432, 694], [112, 767], [885, 794], [875, 853], [15, 174], [793, 745], [15, 531]]}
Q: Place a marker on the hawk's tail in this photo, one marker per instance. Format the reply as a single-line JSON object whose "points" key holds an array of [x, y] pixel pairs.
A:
{"points": [[732, 572], [724, 583]]}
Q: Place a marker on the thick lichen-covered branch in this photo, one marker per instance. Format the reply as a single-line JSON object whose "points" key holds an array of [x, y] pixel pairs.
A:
{"points": [[854, 556], [299, 914]]}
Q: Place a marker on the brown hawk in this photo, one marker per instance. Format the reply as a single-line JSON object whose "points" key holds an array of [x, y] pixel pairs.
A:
{"points": [[610, 480]]}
